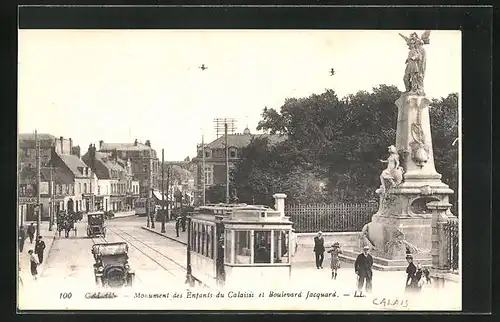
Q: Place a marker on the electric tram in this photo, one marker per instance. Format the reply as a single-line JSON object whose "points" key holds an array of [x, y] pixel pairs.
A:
{"points": [[238, 245]]}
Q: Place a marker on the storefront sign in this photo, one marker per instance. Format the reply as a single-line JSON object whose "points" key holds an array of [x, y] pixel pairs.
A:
{"points": [[27, 200]]}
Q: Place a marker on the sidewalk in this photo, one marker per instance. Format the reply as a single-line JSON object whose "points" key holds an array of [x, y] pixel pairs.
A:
{"points": [[169, 232], [24, 259], [123, 214]]}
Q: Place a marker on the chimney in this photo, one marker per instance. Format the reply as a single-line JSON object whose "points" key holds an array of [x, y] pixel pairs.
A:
{"points": [[100, 144], [61, 142], [70, 145], [92, 156], [76, 151], [148, 143]]}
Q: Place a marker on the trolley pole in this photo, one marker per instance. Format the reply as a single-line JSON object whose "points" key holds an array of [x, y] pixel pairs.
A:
{"points": [[163, 191], [37, 208]]}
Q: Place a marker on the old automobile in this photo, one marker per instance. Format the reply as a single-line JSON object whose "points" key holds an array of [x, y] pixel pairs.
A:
{"points": [[111, 268], [95, 224]]}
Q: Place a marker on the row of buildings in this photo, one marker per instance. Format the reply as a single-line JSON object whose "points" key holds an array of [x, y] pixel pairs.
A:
{"points": [[112, 176]]}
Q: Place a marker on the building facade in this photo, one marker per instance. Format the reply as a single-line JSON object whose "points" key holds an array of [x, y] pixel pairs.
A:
{"points": [[81, 174], [215, 158], [27, 171], [143, 161], [113, 179]]}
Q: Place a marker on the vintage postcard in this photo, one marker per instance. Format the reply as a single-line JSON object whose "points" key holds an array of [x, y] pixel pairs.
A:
{"points": [[239, 170]]}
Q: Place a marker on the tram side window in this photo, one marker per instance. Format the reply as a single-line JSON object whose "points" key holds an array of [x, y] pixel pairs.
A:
{"points": [[242, 247], [203, 236], [227, 246], [198, 239], [195, 243], [262, 246], [210, 252]]}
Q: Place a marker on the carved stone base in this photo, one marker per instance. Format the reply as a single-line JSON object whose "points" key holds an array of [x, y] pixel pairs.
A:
{"points": [[403, 223]]}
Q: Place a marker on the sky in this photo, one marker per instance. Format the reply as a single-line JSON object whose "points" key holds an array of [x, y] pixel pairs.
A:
{"points": [[121, 85]]}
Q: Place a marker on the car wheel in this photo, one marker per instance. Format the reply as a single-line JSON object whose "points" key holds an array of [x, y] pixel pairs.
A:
{"points": [[98, 281]]}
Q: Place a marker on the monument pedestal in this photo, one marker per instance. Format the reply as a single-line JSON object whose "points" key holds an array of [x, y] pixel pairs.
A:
{"points": [[403, 223]]}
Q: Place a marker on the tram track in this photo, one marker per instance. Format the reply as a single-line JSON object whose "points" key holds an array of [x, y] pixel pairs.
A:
{"points": [[128, 238]]}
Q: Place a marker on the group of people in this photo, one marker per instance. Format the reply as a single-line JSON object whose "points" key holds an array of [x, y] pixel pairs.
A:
{"points": [[363, 266], [36, 255]]}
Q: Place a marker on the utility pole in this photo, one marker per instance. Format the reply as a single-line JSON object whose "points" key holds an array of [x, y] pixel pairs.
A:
{"points": [[227, 162], [150, 194], [163, 191], [168, 189], [37, 208], [148, 191], [203, 172], [51, 204], [229, 125]]}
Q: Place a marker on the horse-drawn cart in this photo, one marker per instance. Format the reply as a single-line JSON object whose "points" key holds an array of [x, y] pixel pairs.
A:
{"points": [[66, 222]]}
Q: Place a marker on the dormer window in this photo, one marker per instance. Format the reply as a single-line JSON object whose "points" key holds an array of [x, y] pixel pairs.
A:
{"points": [[232, 153], [208, 153]]}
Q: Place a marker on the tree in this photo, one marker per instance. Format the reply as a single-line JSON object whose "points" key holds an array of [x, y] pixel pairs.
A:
{"points": [[335, 143], [444, 129]]}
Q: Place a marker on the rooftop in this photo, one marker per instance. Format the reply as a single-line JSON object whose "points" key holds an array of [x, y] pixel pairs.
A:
{"points": [[73, 163], [59, 175], [40, 136], [242, 140], [124, 147]]}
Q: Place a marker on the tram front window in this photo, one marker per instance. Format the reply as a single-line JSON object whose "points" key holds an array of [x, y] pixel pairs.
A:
{"points": [[242, 243], [262, 247]]}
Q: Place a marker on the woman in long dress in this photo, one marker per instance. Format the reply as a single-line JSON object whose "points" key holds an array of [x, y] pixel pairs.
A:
{"points": [[33, 264], [335, 260]]}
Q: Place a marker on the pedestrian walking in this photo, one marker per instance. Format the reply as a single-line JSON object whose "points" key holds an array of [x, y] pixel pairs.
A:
{"points": [[335, 259], [177, 226], [39, 248], [363, 268], [183, 222], [33, 264], [319, 249], [31, 232], [22, 238], [413, 275]]}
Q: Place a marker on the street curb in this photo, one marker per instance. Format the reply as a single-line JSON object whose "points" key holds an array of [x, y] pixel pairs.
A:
{"points": [[158, 233], [134, 215]]}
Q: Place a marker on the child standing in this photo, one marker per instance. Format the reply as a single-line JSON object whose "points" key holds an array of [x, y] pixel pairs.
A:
{"points": [[335, 260]]}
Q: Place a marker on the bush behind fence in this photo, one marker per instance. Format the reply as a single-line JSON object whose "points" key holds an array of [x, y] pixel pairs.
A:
{"points": [[341, 217]]}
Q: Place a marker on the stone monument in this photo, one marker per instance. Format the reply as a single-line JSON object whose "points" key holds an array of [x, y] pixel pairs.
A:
{"points": [[403, 223]]}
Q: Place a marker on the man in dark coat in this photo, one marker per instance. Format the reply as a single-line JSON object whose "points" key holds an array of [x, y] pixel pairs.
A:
{"points": [[31, 232], [39, 248], [363, 268], [22, 237], [319, 249]]}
